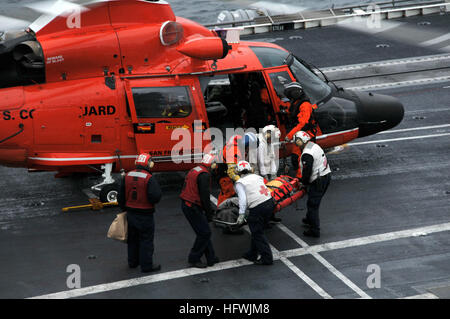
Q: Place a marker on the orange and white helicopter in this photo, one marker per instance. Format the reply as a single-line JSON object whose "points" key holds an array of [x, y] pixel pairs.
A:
{"points": [[119, 78]]}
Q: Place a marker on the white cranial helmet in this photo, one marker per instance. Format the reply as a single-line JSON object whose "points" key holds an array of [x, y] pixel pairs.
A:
{"points": [[273, 129], [243, 166], [303, 136]]}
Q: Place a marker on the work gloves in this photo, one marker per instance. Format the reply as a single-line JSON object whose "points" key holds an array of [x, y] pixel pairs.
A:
{"points": [[240, 219]]}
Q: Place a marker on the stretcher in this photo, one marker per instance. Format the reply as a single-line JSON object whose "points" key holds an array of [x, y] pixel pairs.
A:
{"points": [[285, 191]]}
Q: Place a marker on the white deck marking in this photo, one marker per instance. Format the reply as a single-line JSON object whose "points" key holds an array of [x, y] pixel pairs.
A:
{"points": [[144, 280], [415, 129], [362, 241], [400, 84], [429, 110], [422, 296], [415, 232], [436, 40], [398, 139], [422, 59], [324, 262], [297, 271], [305, 278]]}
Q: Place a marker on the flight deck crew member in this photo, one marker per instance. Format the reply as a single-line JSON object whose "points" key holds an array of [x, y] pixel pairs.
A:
{"points": [[316, 175], [267, 157], [196, 206], [300, 111], [231, 155], [254, 194], [138, 195]]}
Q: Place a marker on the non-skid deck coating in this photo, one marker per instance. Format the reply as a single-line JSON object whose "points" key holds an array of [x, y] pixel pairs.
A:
{"points": [[388, 205]]}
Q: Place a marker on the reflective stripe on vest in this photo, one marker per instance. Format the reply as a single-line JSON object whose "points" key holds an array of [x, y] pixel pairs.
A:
{"points": [[190, 188], [255, 189], [320, 165], [136, 190]]}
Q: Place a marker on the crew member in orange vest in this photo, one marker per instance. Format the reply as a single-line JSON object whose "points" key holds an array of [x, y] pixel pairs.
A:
{"points": [[231, 155], [301, 110]]}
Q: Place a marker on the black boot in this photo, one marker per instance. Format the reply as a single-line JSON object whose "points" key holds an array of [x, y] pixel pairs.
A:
{"points": [[198, 264], [249, 257], [260, 262], [274, 219], [215, 260], [153, 268], [312, 233]]}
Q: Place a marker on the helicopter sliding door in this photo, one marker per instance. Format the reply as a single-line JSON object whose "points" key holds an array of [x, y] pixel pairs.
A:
{"points": [[163, 111], [276, 79]]}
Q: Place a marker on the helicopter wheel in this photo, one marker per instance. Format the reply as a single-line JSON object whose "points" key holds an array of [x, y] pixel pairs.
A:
{"points": [[108, 193]]}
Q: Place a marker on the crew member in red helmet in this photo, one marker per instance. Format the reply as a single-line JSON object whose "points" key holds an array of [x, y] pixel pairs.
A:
{"points": [[139, 194], [196, 206]]}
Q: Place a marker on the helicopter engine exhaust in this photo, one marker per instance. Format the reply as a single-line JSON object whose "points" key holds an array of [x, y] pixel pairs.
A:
{"points": [[210, 48]]}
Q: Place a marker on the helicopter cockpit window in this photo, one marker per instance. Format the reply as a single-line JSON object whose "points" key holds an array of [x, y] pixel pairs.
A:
{"points": [[314, 87], [279, 80], [162, 102], [336, 115], [270, 57]]}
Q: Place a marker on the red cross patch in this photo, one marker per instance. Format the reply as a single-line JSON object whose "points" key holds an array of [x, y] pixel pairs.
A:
{"points": [[264, 190]]}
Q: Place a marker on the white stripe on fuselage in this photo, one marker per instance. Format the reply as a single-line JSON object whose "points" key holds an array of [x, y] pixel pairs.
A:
{"points": [[320, 137]]}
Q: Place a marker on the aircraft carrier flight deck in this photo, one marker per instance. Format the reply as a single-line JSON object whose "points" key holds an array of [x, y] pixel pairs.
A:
{"points": [[388, 204]]}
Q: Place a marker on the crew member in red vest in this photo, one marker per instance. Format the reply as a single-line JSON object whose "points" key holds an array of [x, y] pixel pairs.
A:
{"points": [[196, 206], [138, 195]]}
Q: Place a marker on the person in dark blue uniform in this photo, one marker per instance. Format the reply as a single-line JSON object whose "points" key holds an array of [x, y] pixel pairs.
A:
{"points": [[316, 176], [138, 195], [196, 206]]}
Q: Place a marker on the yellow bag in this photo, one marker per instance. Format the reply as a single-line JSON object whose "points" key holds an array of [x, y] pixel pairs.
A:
{"points": [[119, 228], [272, 185]]}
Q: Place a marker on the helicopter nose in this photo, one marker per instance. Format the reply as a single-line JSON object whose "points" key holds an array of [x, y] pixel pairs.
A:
{"points": [[378, 113]]}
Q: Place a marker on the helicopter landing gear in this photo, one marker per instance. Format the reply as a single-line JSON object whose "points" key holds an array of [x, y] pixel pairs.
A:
{"points": [[107, 189], [109, 193]]}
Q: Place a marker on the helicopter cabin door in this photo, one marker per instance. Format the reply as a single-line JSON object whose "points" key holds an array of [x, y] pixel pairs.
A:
{"points": [[165, 113], [276, 78]]}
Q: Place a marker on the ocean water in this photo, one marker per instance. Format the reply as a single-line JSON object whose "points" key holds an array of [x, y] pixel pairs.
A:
{"points": [[202, 11]]}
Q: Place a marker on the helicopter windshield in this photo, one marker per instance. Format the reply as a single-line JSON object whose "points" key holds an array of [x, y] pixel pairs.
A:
{"points": [[314, 87]]}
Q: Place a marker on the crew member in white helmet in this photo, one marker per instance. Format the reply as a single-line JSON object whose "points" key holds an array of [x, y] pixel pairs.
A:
{"points": [[316, 175], [267, 155], [254, 194]]}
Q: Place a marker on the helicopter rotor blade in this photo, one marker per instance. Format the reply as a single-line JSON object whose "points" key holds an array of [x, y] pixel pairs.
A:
{"points": [[56, 8], [12, 24], [45, 10]]}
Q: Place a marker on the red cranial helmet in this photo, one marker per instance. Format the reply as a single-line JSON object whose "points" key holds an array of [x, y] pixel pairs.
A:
{"points": [[209, 159], [143, 159]]}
